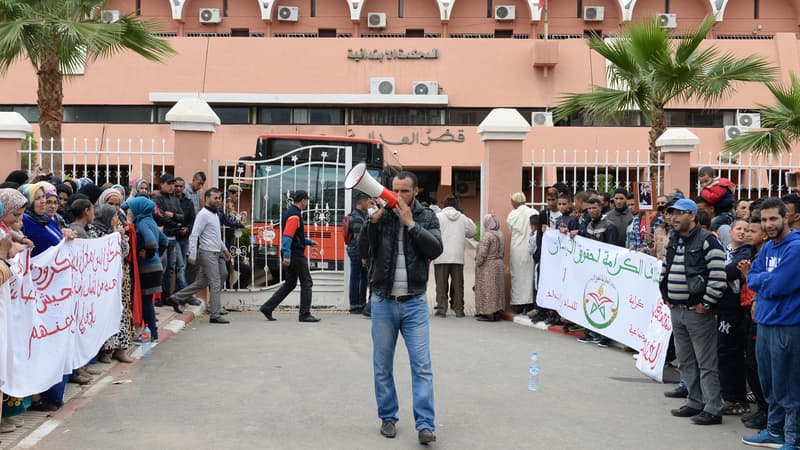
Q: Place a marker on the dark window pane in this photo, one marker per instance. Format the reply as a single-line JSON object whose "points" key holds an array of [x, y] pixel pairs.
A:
{"points": [[326, 116], [279, 116], [232, 114], [397, 116], [467, 116], [107, 114]]}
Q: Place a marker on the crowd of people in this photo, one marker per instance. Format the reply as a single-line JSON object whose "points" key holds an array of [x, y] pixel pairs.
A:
{"points": [[173, 244], [727, 275]]}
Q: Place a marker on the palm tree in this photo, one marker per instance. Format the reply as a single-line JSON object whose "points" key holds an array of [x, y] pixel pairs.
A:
{"points": [[781, 120], [59, 36], [650, 69]]}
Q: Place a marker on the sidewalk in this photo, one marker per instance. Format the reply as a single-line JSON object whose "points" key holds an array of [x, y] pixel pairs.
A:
{"points": [[39, 424]]}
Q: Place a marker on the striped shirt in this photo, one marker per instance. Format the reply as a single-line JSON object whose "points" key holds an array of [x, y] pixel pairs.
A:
{"points": [[677, 286]]}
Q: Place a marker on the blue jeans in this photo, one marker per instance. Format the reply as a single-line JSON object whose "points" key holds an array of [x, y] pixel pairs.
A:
{"points": [[778, 356], [411, 319], [180, 275], [358, 280]]}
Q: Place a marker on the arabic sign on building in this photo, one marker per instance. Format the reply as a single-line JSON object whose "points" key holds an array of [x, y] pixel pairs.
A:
{"points": [[416, 137], [400, 54], [608, 289], [64, 304]]}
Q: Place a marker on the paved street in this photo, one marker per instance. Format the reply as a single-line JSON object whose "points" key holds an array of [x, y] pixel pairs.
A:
{"points": [[288, 385]]}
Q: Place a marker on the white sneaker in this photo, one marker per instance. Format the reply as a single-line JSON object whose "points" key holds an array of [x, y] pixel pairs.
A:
{"points": [[636, 356], [541, 325]]}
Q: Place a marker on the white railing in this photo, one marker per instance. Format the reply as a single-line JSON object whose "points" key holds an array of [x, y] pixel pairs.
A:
{"points": [[103, 160], [755, 175], [600, 170]]}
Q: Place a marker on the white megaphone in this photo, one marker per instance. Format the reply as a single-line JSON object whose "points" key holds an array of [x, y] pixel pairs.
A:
{"points": [[358, 178]]}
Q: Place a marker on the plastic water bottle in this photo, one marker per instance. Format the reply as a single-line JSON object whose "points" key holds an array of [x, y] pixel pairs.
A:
{"points": [[533, 373], [147, 342]]}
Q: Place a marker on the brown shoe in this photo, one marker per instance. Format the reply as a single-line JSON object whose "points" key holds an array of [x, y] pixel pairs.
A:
{"points": [[104, 357], [122, 356], [92, 371], [80, 379], [83, 371]]}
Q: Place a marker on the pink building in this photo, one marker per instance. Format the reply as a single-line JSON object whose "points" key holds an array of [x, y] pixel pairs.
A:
{"points": [[420, 75]]}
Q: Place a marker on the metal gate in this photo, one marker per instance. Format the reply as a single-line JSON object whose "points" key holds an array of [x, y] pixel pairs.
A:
{"points": [[265, 189]]}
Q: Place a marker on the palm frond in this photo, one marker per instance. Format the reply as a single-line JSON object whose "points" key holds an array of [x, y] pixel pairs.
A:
{"points": [[762, 142], [716, 84], [602, 104], [688, 46]]}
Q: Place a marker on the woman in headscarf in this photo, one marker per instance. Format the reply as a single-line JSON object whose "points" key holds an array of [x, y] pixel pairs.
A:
{"points": [[51, 204], [139, 185], [131, 289], [151, 240], [489, 283], [106, 221]]}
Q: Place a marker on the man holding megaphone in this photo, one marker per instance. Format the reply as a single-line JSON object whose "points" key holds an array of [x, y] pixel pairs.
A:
{"points": [[402, 242]]}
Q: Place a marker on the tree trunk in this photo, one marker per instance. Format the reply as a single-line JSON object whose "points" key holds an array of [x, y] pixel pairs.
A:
{"points": [[657, 128], [50, 98]]}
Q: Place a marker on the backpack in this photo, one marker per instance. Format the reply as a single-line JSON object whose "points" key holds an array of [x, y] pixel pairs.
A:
{"points": [[346, 232]]}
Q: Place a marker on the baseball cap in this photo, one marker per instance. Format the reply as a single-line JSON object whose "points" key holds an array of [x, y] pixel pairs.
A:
{"points": [[300, 195], [166, 177], [684, 204]]}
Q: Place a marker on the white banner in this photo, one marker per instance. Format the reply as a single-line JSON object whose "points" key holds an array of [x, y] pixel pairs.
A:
{"points": [[64, 304], [610, 290]]}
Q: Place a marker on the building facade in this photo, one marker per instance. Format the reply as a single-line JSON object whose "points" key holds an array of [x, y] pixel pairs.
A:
{"points": [[419, 75]]}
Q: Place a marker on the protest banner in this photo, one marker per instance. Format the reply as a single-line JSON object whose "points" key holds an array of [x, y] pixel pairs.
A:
{"points": [[64, 304], [608, 289]]}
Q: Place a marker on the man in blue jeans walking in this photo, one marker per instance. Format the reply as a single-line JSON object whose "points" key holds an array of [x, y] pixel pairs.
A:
{"points": [[401, 243], [773, 276], [358, 271]]}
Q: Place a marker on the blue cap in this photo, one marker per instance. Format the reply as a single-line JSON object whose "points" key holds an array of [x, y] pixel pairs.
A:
{"points": [[684, 204]]}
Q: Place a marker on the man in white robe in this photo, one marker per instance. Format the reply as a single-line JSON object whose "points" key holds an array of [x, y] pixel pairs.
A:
{"points": [[520, 260]]}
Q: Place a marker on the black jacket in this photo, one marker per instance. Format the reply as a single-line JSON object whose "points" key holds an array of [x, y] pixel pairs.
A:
{"points": [[168, 202], [423, 243]]}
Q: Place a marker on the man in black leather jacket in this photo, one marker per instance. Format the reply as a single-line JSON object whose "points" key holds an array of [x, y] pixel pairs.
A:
{"points": [[402, 242]]}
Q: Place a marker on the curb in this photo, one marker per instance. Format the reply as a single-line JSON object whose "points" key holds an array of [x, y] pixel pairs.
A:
{"points": [[39, 425]]}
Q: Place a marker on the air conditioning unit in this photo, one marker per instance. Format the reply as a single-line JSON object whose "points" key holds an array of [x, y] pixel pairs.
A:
{"points": [[505, 12], [210, 15], [426, 88], [381, 86], [109, 15], [667, 20], [376, 20], [748, 120], [542, 119], [594, 13], [732, 131], [288, 13], [466, 189]]}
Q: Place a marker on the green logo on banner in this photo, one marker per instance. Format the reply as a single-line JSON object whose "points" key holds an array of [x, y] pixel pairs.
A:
{"points": [[600, 302]]}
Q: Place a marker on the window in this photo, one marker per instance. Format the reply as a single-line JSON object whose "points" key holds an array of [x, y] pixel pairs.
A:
{"points": [[232, 115], [396, 116], [415, 33], [327, 32], [29, 112], [301, 116], [108, 114], [467, 116]]}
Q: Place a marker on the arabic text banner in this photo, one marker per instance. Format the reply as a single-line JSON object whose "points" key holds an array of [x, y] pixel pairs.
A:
{"points": [[608, 289], [64, 304]]}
